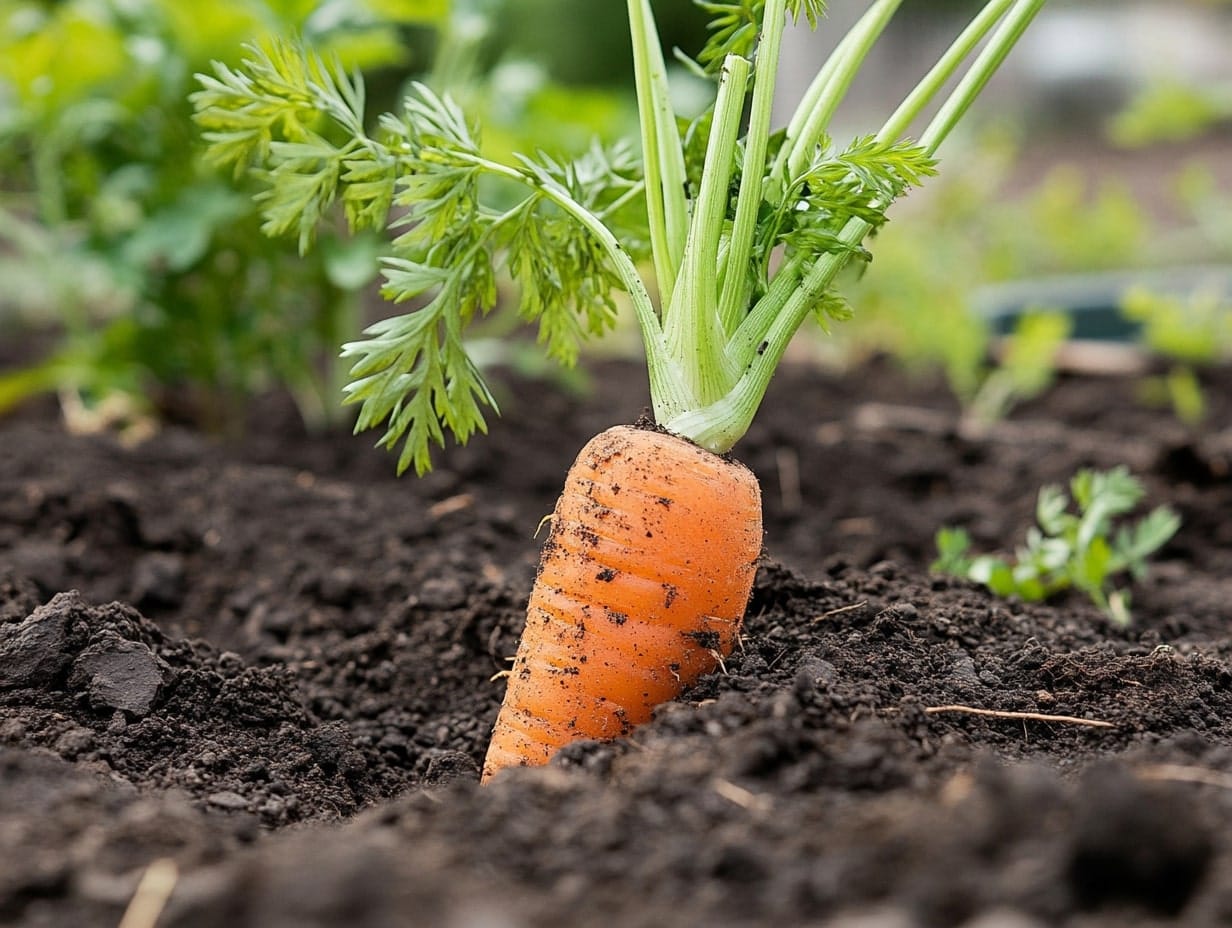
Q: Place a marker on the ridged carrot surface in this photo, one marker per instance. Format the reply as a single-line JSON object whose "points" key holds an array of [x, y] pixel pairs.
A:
{"points": [[643, 582]]}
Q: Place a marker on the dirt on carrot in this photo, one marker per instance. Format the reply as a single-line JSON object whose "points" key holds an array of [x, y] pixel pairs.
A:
{"points": [[641, 590]]}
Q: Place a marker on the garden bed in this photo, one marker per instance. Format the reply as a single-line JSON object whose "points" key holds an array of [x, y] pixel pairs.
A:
{"points": [[276, 671]]}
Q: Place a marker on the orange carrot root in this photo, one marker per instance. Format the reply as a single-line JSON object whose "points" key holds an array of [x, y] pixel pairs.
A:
{"points": [[642, 587]]}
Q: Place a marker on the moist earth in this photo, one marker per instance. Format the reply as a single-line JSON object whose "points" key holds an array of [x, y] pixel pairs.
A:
{"points": [[274, 664]]}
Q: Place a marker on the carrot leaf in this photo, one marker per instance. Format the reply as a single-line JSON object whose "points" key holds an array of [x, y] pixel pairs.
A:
{"points": [[566, 279], [421, 177], [859, 183]]}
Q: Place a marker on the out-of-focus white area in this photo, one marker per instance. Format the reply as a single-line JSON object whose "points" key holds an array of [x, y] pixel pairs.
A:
{"points": [[1079, 62]]}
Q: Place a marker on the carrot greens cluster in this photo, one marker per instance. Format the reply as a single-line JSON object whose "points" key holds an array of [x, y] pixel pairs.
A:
{"points": [[745, 228]]}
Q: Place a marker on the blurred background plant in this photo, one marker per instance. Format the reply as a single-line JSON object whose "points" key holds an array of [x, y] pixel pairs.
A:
{"points": [[151, 269]]}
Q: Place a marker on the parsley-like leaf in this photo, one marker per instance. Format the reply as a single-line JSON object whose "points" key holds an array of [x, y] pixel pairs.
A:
{"points": [[859, 183], [566, 279], [280, 92], [278, 116], [736, 25]]}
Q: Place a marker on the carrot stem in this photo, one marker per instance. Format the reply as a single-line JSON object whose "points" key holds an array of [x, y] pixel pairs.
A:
{"points": [[736, 278], [989, 60], [692, 327], [828, 89], [662, 154]]}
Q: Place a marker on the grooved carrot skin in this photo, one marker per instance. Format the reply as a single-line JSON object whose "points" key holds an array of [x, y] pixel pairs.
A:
{"points": [[642, 583]]}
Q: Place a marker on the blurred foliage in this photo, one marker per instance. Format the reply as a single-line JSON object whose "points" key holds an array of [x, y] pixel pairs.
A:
{"points": [[1171, 111], [549, 32], [151, 265], [925, 298], [154, 268], [1195, 328], [1191, 331], [920, 299], [1025, 367]]}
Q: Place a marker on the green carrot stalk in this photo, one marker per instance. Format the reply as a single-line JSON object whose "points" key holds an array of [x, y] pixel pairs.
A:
{"points": [[736, 276]]}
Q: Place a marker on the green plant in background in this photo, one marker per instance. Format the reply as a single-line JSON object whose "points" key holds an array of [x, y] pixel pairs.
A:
{"points": [[1025, 368], [1077, 550], [927, 311], [1171, 111], [922, 306], [1192, 331], [154, 268]]}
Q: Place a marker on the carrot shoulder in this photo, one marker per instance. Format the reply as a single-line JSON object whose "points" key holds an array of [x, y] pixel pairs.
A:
{"points": [[642, 586]]}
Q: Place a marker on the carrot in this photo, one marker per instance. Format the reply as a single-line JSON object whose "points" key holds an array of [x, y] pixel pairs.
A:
{"points": [[641, 589], [650, 560]]}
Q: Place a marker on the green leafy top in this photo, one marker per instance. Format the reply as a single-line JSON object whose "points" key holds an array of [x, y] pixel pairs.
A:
{"points": [[570, 233], [1069, 549], [420, 174]]}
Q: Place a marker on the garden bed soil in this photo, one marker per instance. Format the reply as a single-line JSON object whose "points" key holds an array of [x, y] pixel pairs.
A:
{"points": [[272, 664]]}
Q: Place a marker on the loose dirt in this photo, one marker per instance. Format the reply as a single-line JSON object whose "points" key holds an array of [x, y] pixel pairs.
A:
{"points": [[271, 662]]}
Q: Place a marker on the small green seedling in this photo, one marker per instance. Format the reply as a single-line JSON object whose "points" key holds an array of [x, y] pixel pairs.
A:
{"points": [[1070, 550]]}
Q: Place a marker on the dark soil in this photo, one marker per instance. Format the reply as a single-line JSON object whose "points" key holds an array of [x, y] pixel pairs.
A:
{"points": [[271, 663]]}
